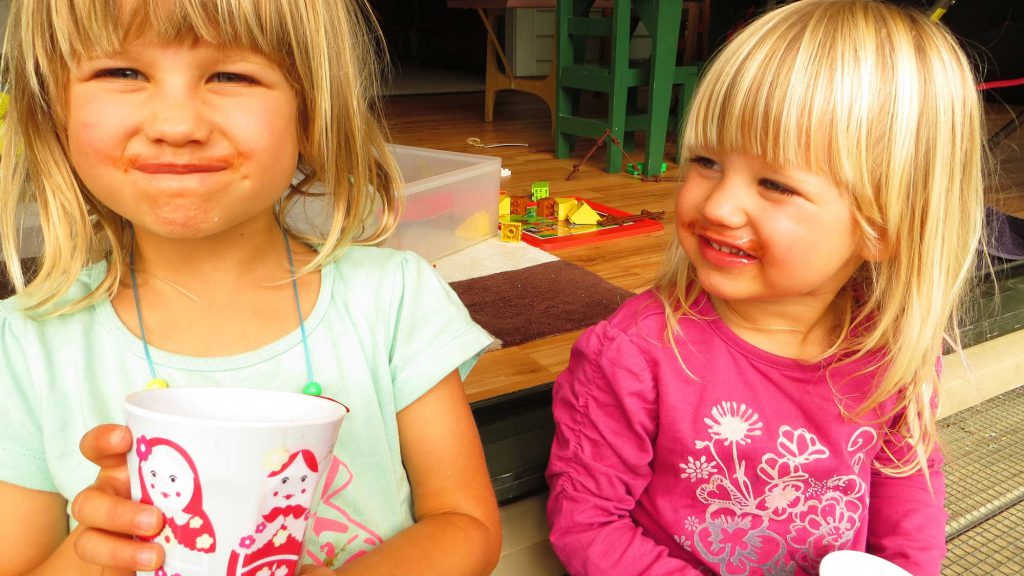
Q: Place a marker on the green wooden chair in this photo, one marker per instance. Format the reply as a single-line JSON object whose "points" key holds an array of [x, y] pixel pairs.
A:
{"points": [[618, 79]]}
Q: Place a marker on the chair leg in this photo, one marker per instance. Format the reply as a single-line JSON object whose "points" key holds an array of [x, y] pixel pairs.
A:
{"points": [[663, 23], [562, 58], [618, 95]]}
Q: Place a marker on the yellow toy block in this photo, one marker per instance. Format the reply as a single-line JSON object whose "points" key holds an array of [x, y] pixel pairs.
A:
{"points": [[584, 215], [565, 207], [504, 205], [511, 231], [476, 226]]}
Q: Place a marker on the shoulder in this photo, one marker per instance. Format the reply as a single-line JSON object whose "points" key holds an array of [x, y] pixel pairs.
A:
{"points": [[374, 266], [640, 321], [629, 334], [370, 280], [635, 338], [14, 317], [639, 314]]}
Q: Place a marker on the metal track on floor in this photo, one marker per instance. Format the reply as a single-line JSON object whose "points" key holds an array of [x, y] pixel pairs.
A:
{"points": [[984, 448]]}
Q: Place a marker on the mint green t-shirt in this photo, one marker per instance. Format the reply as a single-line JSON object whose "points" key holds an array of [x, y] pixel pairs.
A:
{"points": [[385, 329]]}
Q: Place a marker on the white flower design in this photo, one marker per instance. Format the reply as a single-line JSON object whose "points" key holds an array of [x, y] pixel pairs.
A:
{"points": [[800, 446], [692, 523], [732, 423], [781, 498], [697, 469], [204, 542], [195, 522]]}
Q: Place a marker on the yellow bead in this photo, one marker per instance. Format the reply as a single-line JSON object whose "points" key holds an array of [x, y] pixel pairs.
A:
{"points": [[157, 383]]}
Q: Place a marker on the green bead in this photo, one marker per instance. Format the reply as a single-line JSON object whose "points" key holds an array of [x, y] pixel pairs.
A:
{"points": [[313, 389], [157, 383]]}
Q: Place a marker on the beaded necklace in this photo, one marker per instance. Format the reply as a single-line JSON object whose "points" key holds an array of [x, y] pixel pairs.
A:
{"points": [[312, 387]]}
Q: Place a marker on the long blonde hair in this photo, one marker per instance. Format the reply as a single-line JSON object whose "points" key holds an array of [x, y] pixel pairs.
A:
{"points": [[329, 49], [883, 102]]}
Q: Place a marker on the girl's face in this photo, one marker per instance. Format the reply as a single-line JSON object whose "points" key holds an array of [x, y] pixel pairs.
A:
{"points": [[755, 232], [169, 479], [185, 141]]}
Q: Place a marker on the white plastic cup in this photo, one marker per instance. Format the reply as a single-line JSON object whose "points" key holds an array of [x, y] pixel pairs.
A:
{"points": [[234, 470], [853, 563]]}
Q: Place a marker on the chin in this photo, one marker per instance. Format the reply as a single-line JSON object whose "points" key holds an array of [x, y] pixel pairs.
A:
{"points": [[722, 287]]}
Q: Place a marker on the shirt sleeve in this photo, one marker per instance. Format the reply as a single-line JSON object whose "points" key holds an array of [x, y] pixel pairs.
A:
{"points": [[22, 457], [431, 331], [605, 421], [906, 515]]}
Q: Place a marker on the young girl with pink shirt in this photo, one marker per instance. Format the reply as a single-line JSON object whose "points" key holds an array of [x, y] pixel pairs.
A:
{"points": [[773, 397]]}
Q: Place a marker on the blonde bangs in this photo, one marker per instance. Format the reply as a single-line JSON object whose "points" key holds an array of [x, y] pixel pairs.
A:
{"points": [[810, 86]]}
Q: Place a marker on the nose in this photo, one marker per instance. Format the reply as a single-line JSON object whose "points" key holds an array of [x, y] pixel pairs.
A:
{"points": [[177, 117], [727, 203]]}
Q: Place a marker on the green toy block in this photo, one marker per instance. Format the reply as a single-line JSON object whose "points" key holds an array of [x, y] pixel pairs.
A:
{"points": [[539, 190], [641, 167]]}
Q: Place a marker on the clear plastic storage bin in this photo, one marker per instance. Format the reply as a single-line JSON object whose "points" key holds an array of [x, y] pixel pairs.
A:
{"points": [[451, 200]]}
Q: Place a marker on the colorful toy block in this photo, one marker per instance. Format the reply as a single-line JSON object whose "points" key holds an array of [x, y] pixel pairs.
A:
{"points": [[504, 205], [584, 215], [518, 205], [511, 231], [539, 190], [478, 225], [639, 168], [547, 208], [565, 206]]}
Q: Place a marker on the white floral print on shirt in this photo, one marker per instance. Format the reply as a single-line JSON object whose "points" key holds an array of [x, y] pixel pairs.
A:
{"points": [[736, 536]]}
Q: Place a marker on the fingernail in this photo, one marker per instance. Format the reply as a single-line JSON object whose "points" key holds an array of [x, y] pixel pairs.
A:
{"points": [[146, 558], [148, 521]]}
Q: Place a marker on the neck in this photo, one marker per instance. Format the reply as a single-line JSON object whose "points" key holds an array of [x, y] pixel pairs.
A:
{"points": [[801, 328], [251, 256]]}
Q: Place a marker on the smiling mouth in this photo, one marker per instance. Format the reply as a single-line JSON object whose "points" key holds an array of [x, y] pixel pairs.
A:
{"points": [[727, 249]]}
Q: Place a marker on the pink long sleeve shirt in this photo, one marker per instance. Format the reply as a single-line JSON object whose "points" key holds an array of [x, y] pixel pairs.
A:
{"points": [[747, 466]]}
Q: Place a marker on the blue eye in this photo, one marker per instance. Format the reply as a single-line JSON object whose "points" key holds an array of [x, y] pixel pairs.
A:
{"points": [[120, 74], [232, 78], [704, 162], [774, 186]]}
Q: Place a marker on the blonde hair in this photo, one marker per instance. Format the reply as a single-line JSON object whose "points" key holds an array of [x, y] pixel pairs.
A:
{"points": [[882, 101], [330, 52]]}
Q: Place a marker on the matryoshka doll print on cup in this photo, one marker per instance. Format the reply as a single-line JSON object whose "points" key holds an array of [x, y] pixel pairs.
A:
{"points": [[234, 471]]}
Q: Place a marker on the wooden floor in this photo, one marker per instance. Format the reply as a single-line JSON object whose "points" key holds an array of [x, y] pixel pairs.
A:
{"points": [[445, 121]]}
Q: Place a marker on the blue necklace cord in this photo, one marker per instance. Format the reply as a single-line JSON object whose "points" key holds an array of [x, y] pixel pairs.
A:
{"points": [[312, 387], [138, 313]]}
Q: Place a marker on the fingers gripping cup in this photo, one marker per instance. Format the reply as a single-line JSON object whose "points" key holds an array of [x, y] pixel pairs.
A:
{"points": [[234, 471]]}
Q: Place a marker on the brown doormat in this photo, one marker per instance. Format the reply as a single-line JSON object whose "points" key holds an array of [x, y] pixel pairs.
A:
{"points": [[539, 301]]}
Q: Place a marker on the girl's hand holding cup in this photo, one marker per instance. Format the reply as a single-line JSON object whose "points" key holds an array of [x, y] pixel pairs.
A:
{"points": [[108, 519]]}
